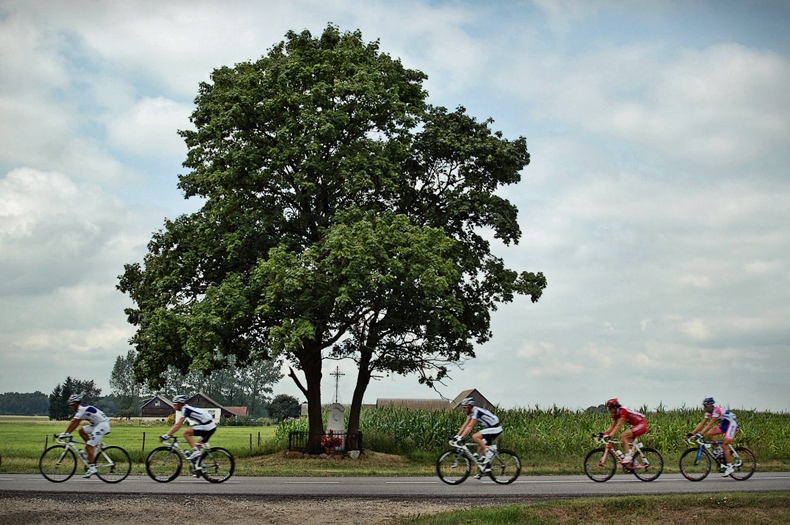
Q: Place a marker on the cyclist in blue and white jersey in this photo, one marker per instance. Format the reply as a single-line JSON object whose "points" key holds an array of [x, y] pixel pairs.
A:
{"points": [[204, 427], [490, 431], [718, 421], [98, 425]]}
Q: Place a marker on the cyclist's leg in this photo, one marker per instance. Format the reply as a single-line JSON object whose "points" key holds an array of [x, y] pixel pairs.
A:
{"points": [[202, 434], [85, 434], [487, 437], [627, 437], [477, 437], [631, 434], [189, 435], [728, 430]]}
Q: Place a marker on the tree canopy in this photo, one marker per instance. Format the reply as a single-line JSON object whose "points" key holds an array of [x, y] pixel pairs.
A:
{"points": [[343, 217]]}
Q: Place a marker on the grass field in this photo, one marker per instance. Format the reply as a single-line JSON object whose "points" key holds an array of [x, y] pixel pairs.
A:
{"points": [[729, 508]]}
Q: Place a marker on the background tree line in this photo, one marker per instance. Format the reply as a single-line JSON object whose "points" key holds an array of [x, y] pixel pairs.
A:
{"points": [[250, 386]]}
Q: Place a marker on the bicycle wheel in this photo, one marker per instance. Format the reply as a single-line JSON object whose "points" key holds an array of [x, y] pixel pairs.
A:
{"points": [[649, 465], [218, 465], [505, 467], [57, 463], [163, 464], [694, 464], [452, 468], [744, 463], [597, 468], [113, 464]]}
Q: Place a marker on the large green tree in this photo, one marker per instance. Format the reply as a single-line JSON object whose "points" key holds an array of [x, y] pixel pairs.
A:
{"points": [[343, 217]]}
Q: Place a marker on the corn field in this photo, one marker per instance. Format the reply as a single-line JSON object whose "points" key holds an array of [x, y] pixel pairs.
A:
{"points": [[550, 433]]}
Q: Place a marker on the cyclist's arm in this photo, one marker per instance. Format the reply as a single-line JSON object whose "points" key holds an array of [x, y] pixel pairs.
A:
{"points": [[73, 424], [704, 426], [467, 427], [176, 426], [615, 427]]}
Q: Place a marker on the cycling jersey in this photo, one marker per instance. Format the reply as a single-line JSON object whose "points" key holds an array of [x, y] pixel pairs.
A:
{"points": [[486, 418], [201, 417], [91, 414], [631, 417], [722, 416]]}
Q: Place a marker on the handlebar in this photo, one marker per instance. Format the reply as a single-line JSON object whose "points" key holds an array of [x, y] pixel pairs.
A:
{"points": [[603, 439], [697, 440]]}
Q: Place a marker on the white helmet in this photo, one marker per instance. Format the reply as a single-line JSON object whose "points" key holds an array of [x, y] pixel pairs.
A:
{"points": [[76, 398], [468, 402], [180, 400]]}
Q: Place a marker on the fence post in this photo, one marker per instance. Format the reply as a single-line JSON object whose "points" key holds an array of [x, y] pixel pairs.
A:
{"points": [[250, 442], [46, 441], [143, 441]]}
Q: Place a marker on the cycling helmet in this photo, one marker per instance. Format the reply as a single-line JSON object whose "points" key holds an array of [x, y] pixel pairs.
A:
{"points": [[180, 399], [612, 403], [708, 401], [468, 402], [76, 398]]}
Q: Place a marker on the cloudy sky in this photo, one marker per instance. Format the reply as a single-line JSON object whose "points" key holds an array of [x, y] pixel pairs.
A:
{"points": [[657, 202]]}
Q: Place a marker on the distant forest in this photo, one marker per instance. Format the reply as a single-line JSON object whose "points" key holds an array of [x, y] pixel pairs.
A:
{"points": [[16, 404]]}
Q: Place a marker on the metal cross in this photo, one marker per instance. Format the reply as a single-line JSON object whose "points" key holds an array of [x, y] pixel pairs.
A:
{"points": [[337, 373]]}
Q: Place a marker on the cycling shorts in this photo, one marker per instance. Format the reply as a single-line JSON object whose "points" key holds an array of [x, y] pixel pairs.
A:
{"points": [[728, 429], [491, 433], [95, 432], [639, 428]]}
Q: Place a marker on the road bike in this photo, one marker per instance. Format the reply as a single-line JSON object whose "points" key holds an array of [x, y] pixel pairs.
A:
{"points": [[601, 463], [59, 462], [455, 465], [164, 463], [695, 463]]}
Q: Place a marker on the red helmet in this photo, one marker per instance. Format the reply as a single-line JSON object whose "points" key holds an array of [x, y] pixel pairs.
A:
{"points": [[612, 403]]}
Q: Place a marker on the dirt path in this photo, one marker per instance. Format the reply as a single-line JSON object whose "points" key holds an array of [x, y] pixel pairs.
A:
{"points": [[19, 509]]}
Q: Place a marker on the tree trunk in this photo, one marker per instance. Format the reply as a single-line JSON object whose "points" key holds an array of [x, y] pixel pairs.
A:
{"points": [[311, 366], [363, 380]]}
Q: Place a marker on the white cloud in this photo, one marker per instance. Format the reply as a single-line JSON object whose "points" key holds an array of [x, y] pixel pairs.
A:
{"points": [[656, 200], [149, 128]]}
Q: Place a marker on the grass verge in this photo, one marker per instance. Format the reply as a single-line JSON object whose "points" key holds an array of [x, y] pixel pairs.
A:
{"points": [[731, 508]]}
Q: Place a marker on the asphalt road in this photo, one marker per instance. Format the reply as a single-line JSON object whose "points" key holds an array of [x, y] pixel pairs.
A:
{"points": [[530, 487]]}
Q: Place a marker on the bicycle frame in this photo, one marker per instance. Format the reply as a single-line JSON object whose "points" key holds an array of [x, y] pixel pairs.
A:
{"points": [[704, 447], [175, 447], [71, 444], [636, 450], [476, 459]]}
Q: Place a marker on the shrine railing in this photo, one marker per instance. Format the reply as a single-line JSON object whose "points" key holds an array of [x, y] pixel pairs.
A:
{"points": [[298, 440]]}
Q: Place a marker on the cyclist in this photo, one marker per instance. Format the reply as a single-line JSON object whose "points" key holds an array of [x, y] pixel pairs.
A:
{"points": [[486, 436], [204, 428], [98, 425], [718, 421], [620, 416]]}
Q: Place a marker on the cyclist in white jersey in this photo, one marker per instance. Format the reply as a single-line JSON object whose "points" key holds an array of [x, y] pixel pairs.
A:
{"points": [[204, 428], [490, 431], [718, 421], [98, 425]]}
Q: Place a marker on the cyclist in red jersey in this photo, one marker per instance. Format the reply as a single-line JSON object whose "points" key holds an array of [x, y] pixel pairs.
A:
{"points": [[621, 416]]}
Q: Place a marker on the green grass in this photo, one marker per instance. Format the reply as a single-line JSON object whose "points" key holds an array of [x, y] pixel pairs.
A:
{"points": [[23, 439], [730, 508]]}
